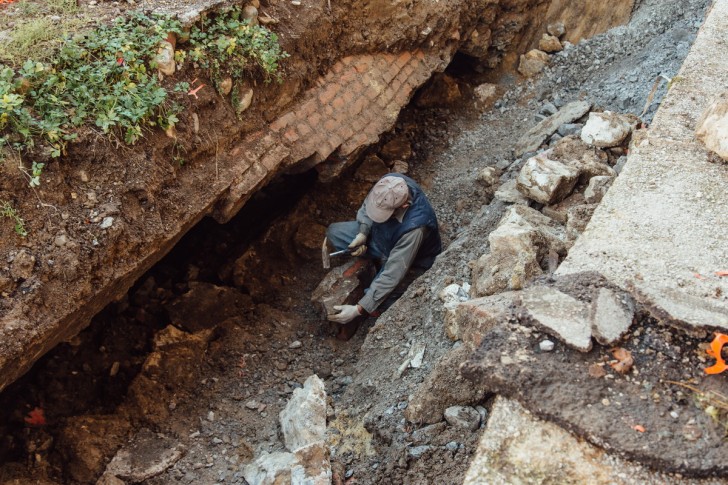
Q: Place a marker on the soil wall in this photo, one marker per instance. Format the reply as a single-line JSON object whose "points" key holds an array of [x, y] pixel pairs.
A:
{"points": [[352, 69]]}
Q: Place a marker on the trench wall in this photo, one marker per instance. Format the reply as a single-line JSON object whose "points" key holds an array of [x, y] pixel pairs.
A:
{"points": [[347, 108]]}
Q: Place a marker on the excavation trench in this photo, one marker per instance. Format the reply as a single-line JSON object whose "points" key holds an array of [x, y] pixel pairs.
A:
{"points": [[207, 347], [256, 340]]}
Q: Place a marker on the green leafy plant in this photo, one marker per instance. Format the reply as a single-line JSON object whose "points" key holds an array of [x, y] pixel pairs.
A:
{"points": [[9, 212], [227, 44], [106, 78]]}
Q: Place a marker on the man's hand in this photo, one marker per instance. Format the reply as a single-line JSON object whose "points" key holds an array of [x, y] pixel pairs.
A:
{"points": [[358, 245], [346, 313]]}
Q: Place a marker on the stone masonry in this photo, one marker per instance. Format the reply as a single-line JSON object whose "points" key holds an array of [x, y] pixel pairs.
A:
{"points": [[356, 101]]}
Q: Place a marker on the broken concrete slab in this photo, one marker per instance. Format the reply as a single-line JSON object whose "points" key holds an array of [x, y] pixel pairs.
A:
{"points": [[303, 420], [534, 137], [546, 181], [559, 315], [668, 202], [148, 455], [516, 446], [612, 315], [597, 188]]}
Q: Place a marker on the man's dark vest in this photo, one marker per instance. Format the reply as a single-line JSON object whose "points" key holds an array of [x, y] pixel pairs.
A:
{"points": [[385, 235]]}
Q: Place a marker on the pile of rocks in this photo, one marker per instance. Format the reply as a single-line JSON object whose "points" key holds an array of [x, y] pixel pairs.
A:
{"points": [[535, 60]]}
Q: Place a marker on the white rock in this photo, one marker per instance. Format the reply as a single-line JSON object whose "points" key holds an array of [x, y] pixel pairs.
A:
{"points": [[303, 421], [605, 129], [485, 92], [271, 468], [165, 58], [246, 99], [463, 417], [546, 181], [712, 128], [107, 222], [546, 345], [597, 188], [509, 193], [489, 176]]}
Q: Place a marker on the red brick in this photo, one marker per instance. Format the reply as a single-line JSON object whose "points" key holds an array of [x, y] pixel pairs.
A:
{"points": [[419, 55], [389, 73], [307, 108], [282, 122], [359, 105], [346, 132], [339, 103], [291, 135], [303, 129], [403, 59], [371, 93], [347, 61], [358, 124], [393, 87], [331, 126], [383, 101], [348, 96], [329, 111], [349, 75], [338, 67], [408, 70], [329, 93], [314, 119], [364, 64]]}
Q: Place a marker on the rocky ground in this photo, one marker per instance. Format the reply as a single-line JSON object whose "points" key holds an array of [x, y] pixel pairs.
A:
{"points": [[199, 406]]}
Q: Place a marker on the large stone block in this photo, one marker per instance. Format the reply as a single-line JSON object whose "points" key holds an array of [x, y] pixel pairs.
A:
{"points": [[303, 421], [533, 62], [546, 181], [605, 129], [343, 285], [534, 137]]}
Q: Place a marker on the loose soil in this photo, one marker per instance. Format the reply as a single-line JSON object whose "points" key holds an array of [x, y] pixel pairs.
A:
{"points": [[222, 400]]}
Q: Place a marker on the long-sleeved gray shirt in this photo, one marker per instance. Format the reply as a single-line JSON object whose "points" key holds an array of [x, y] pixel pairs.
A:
{"points": [[398, 263]]}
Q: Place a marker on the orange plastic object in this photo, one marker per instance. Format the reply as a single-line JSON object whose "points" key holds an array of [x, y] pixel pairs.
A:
{"points": [[716, 346], [6, 1]]}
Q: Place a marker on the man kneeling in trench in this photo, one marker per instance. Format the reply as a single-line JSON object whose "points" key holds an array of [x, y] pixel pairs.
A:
{"points": [[397, 228]]}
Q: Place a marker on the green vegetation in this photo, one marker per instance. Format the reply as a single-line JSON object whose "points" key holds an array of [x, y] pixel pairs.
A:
{"points": [[107, 78], [7, 211], [227, 43]]}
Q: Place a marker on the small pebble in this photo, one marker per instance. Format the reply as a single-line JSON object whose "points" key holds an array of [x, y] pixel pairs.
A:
{"points": [[295, 344], [605, 402], [252, 404], [211, 416], [546, 346]]}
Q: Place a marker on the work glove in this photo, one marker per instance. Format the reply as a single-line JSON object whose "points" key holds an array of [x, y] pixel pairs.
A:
{"points": [[346, 313], [358, 245]]}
